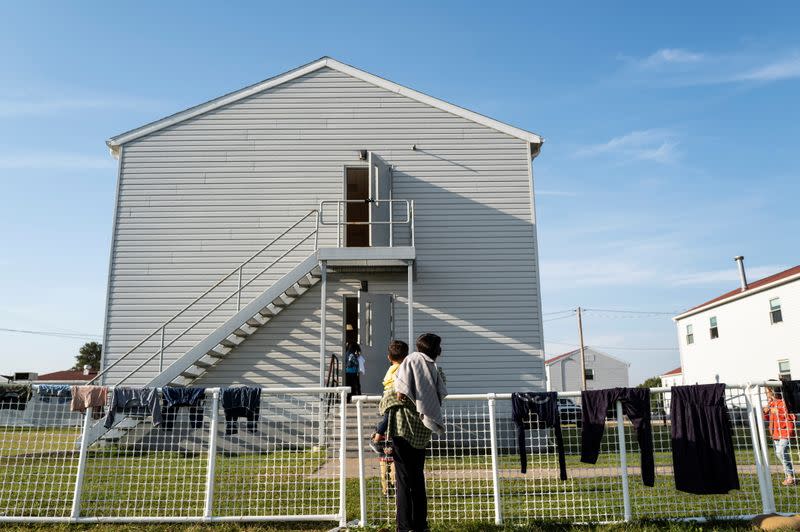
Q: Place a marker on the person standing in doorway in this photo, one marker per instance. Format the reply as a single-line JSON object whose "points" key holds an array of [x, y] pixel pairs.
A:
{"points": [[415, 412], [781, 428], [354, 368]]}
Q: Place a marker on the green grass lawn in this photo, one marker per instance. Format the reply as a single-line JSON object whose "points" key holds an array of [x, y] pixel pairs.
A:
{"points": [[37, 471]]}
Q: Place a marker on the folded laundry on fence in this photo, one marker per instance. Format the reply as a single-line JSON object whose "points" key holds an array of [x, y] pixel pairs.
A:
{"points": [[174, 398], [15, 396], [134, 401], [89, 396], [544, 406], [61, 393], [702, 443], [241, 402], [635, 405]]}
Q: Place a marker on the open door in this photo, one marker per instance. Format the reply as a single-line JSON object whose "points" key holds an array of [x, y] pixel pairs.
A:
{"points": [[380, 191], [374, 335]]}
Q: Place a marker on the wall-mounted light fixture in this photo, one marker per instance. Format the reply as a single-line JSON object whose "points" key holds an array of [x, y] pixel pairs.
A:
{"points": [[362, 155]]}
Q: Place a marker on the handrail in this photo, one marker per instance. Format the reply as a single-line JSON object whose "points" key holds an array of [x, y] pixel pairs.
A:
{"points": [[239, 268], [333, 371], [207, 314], [391, 222]]}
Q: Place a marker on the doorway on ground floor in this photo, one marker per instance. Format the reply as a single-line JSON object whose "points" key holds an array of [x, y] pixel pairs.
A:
{"points": [[368, 320]]}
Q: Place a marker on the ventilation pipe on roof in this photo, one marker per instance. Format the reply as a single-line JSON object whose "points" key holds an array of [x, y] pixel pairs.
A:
{"points": [[742, 277]]}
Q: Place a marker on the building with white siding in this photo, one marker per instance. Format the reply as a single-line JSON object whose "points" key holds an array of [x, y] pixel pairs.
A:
{"points": [[602, 371], [671, 378], [751, 333], [256, 233]]}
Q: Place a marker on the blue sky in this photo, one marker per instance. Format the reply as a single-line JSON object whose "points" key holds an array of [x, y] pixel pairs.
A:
{"points": [[670, 132]]}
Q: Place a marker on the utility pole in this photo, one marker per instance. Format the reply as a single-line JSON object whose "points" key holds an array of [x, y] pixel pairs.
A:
{"points": [[583, 354]]}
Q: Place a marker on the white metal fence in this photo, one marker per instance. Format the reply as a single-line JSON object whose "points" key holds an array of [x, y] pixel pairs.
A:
{"points": [[473, 471], [292, 464], [287, 465]]}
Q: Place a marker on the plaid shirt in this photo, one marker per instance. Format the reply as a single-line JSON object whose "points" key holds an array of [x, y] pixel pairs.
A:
{"points": [[404, 421]]}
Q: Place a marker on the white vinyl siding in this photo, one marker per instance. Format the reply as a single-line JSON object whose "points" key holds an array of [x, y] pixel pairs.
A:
{"points": [[197, 198]]}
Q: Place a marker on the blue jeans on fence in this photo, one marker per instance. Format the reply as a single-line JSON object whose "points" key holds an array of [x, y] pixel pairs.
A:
{"points": [[784, 455]]}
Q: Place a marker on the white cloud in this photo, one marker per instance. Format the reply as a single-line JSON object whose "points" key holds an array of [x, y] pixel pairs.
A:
{"points": [[728, 275], [667, 56], [681, 67], [788, 68], [55, 161], [657, 145]]}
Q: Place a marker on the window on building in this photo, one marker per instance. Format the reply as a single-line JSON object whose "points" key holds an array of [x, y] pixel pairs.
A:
{"points": [[689, 334], [775, 314], [784, 370], [713, 330], [589, 372]]}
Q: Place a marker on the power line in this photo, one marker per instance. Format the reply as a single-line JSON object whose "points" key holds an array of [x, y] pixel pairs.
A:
{"points": [[635, 312], [55, 334], [558, 318], [619, 348], [570, 310]]}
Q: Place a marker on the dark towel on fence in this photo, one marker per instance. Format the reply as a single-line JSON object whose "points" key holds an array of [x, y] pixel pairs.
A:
{"points": [[134, 401], [15, 396], [174, 398], [635, 405], [544, 406], [702, 443], [241, 402], [61, 393], [790, 390]]}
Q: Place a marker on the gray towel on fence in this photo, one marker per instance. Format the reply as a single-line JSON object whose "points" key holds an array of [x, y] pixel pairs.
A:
{"points": [[421, 380]]}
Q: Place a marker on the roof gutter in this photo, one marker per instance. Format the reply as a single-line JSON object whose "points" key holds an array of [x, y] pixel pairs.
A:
{"points": [[740, 295]]}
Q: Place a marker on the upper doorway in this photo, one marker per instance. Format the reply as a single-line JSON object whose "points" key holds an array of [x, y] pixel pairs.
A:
{"points": [[368, 191]]}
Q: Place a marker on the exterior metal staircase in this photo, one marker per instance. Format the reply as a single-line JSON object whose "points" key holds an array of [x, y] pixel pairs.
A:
{"points": [[235, 329]]}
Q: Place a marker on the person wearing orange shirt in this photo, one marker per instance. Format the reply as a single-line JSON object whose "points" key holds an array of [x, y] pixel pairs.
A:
{"points": [[781, 428]]}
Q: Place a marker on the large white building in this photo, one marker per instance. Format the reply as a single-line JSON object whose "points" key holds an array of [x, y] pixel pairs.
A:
{"points": [[258, 233], [602, 371], [749, 334]]}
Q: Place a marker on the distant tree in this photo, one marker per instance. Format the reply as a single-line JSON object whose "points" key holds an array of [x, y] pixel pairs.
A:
{"points": [[89, 354], [656, 400], [652, 382]]}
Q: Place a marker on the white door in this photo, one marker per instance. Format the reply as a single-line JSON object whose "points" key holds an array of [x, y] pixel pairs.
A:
{"points": [[374, 335], [380, 191]]}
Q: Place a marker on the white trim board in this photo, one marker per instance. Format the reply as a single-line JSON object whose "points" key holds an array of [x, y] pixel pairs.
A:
{"points": [[115, 142]]}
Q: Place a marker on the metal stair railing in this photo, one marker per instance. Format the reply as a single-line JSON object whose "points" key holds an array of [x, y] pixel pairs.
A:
{"points": [[162, 328]]}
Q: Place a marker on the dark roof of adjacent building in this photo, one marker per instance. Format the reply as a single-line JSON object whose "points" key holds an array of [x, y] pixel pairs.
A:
{"points": [[755, 285], [67, 375]]}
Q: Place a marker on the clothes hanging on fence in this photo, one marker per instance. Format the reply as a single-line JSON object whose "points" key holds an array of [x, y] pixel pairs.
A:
{"points": [[15, 396], [241, 402], [790, 390], [544, 406], [702, 443], [174, 398], [89, 396], [60, 393], [636, 405], [134, 401]]}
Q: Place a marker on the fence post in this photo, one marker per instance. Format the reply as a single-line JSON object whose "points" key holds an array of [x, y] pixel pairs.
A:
{"points": [[343, 458], [76, 495], [362, 483], [763, 475], [623, 463], [762, 436], [212, 456], [498, 509]]}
